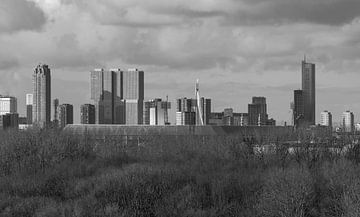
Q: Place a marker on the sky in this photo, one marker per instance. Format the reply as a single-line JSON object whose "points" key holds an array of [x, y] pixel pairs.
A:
{"points": [[237, 48]]}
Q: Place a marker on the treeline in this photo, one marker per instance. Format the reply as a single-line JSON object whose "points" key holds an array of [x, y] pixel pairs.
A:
{"points": [[51, 173]]}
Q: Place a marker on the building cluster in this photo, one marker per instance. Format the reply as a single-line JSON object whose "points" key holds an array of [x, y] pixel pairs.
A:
{"points": [[117, 97]]}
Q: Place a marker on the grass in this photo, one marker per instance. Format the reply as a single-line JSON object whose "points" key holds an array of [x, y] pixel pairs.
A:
{"points": [[51, 173]]}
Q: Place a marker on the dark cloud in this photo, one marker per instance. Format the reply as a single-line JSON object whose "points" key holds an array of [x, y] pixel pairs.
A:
{"points": [[329, 12], [16, 15]]}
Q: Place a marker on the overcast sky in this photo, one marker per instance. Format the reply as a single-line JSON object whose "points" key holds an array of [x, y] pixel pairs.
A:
{"points": [[237, 48]]}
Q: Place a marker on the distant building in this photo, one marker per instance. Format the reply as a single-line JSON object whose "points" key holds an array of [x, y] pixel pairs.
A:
{"points": [[8, 104], [357, 127], [41, 95], [106, 93], [298, 110], [257, 112], [308, 88], [185, 118], [156, 112], [56, 115], [228, 118], [190, 106], [348, 121], [326, 119], [133, 84], [87, 114], [9, 121], [271, 122], [65, 114], [29, 108]]}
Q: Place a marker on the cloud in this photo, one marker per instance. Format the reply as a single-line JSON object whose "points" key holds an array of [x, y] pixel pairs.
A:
{"points": [[327, 12], [17, 15]]}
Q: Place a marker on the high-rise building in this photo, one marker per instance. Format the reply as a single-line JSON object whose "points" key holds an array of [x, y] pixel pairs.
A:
{"points": [[298, 110], [185, 118], [156, 112], [106, 93], [133, 95], [326, 119], [29, 108], [87, 114], [308, 88], [65, 114], [186, 105], [257, 112], [41, 95], [348, 121], [56, 104], [8, 104]]}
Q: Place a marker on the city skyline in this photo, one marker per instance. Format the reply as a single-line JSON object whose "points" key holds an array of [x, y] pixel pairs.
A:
{"points": [[238, 49]]}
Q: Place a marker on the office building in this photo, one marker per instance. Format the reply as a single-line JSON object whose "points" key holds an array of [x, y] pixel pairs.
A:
{"points": [[228, 118], [298, 109], [87, 114], [9, 121], [65, 115], [257, 112], [326, 119], [41, 95], [216, 118], [133, 95], [190, 107], [308, 92], [156, 112], [8, 104], [185, 118], [348, 121], [106, 93], [29, 108]]}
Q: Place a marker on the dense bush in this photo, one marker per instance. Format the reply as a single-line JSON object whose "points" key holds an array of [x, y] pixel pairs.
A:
{"points": [[51, 173]]}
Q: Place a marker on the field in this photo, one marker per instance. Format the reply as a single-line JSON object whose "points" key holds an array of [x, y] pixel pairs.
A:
{"points": [[50, 173]]}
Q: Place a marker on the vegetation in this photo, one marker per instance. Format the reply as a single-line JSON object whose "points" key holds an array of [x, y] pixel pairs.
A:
{"points": [[51, 173]]}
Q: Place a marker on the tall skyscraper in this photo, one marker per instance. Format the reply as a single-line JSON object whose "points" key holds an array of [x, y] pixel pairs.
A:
{"points": [[106, 93], [257, 112], [41, 95], [298, 110], [8, 104], [308, 88], [29, 108], [348, 121], [56, 104], [87, 114], [326, 119], [65, 114], [133, 95], [156, 112]]}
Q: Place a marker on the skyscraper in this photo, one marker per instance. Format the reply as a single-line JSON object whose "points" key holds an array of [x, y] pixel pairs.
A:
{"points": [[41, 95], [106, 93], [308, 88], [87, 114], [29, 108], [155, 112], [348, 121], [56, 104], [257, 112], [133, 95], [65, 114], [326, 119], [298, 110], [192, 114]]}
